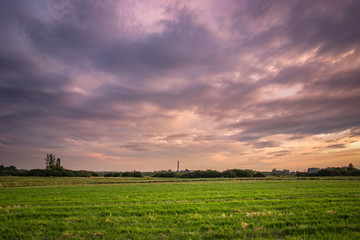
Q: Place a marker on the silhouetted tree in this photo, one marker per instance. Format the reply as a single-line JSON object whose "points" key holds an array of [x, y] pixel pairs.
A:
{"points": [[259, 174], [165, 174], [58, 163], [137, 174], [50, 161], [229, 174], [350, 167]]}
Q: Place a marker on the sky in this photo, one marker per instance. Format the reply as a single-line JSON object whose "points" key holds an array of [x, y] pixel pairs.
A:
{"points": [[139, 85]]}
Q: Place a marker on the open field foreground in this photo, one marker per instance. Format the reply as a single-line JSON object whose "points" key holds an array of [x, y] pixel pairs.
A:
{"points": [[116, 208]]}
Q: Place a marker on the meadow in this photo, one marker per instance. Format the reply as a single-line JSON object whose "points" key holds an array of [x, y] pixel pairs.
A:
{"points": [[141, 208]]}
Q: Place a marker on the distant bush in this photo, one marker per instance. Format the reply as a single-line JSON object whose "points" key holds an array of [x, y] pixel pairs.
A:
{"points": [[37, 172], [243, 173], [68, 173], [343, 171], [232, 173], [133, 174], [201, 174], [229, 174], [259, 174], [124, 174], [301, 174], [165, 174], [82, 173], [58, 171], [7, 171]]}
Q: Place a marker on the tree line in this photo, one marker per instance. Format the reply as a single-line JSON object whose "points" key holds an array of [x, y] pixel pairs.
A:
{"points": [[231, 173], [332, 171], [57, 170], [13, 171], [54, 168]]}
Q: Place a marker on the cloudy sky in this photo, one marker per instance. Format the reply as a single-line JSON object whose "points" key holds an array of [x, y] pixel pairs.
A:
{"points": [[124, 85]]}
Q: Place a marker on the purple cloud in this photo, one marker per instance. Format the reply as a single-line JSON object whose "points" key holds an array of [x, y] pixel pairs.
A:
{"points": [[176, 79]]}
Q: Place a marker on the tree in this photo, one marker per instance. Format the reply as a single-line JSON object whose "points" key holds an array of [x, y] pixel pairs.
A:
{"points": [[137, 174], [259, 174], [229, 174], [12, 168], [58, 163], [350, 167], [50, 161]]}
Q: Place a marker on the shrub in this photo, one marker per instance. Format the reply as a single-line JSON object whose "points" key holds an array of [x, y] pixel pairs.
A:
{"points": [[229, 174], [259, 174]]}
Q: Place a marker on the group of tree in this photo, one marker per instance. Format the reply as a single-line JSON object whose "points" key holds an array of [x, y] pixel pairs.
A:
{"points": [[7, 171], [13, 171], [331, 171], [231, 173], [277, 172], [124, 174], [53, 168], [52, 163]]}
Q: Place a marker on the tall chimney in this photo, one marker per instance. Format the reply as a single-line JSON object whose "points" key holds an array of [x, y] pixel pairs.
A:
{"points": [[178, 164]]}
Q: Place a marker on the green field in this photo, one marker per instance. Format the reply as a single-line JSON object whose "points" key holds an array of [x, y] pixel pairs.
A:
{"points": [[118, 208]]}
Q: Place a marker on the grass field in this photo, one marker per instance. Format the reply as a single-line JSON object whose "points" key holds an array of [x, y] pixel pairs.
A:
{"points": [[118, 208]]}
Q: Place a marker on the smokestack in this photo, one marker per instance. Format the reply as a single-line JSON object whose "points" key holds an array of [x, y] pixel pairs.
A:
{"points": [[178, 164]]}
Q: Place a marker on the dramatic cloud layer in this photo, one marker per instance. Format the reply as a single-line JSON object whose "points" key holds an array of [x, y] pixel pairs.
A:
{"points": [[124, 85]]}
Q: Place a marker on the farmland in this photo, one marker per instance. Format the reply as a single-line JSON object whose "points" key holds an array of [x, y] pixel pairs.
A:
{"points": [[140, 208]]}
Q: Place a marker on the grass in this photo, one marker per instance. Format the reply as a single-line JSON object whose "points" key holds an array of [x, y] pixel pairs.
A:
{"points": [[118, 208]]}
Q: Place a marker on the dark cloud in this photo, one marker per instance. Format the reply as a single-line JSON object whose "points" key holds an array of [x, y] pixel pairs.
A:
{"points": [[280, 153], [138, 147], [323, 106], [337, 146], [299, 25], [206, 138], [176, 136], [182, 46], [265, 144], [86, 34], [297, 124], [355, 132], [95, 71]]}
